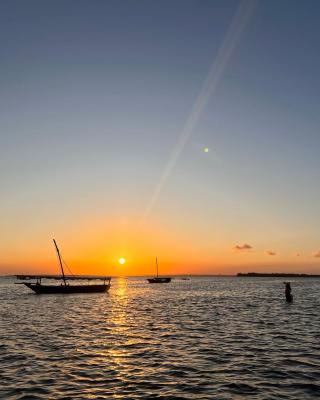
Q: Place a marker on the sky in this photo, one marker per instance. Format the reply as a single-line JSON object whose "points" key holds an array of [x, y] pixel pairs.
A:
{"points": [[186, 130]]}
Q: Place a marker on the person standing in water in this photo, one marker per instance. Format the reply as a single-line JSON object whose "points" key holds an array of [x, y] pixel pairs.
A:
{"points": [[287, 292]]}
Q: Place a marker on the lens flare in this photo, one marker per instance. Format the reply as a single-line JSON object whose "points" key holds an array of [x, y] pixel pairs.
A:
{"points": [[209, 86]]}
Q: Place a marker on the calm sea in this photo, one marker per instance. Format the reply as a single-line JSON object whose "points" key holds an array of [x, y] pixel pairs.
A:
{"points": [[207, 338]]}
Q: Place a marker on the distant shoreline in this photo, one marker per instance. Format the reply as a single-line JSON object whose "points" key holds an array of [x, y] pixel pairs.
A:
{"points": [[239, 274], [276, 275]]}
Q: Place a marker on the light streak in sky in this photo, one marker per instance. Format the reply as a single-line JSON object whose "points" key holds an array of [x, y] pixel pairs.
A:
{"points": [[209, 86]]}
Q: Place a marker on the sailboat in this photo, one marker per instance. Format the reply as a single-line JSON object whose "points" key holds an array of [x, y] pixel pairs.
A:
{"points": [[37, 286], [158, 279]]}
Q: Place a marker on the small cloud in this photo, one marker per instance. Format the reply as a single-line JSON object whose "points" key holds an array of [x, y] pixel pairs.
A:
{"points": [[271, 253], [316, 254], [243, 247]]}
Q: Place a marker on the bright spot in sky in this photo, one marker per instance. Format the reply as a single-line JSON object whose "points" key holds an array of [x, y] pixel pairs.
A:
{"points": [[122, 260], [206, 150]]}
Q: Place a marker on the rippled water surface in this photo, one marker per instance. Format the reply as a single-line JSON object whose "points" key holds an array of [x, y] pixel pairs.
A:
{"points": [[207, 338]]}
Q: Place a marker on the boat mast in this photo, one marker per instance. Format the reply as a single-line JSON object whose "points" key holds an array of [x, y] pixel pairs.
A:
{"points": [[157, 267], [63, 276]]}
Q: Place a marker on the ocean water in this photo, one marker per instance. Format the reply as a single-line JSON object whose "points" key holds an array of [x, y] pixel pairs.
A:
{"points": [[207, 338]]}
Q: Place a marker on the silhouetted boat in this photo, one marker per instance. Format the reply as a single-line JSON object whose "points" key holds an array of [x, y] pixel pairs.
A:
{"points": [[64, 287], [158, 279]]}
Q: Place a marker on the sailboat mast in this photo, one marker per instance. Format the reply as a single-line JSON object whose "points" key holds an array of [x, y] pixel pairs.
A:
{"points": [[58, 252], [157, 266]]}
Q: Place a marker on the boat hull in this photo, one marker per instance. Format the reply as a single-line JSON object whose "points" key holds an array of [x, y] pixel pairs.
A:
{"points": [[159, 280], [66, 289]]}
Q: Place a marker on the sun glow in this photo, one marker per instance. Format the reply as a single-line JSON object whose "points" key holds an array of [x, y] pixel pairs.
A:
{"points": [[122, 260]]}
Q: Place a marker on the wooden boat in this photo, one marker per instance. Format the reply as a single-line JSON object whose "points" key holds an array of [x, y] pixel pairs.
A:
{"points": [[64, 288], [158, 279]]}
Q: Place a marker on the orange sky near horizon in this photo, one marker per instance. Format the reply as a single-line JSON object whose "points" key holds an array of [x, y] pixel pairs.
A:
{"points": [[93, 248]]}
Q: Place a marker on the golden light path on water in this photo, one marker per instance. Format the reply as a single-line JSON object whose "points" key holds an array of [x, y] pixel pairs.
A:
{"points": [[119, 319], [210, 84]]}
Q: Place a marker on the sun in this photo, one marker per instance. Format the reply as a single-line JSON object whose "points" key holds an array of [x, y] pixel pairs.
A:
{"points": [[122, 260]]}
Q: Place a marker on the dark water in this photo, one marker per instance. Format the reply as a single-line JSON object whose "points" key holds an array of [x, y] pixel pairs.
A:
{"points": [[208, 338]]}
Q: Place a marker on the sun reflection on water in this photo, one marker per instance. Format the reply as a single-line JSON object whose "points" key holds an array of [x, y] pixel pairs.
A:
{"points": [[119, 303], [118, 322]]}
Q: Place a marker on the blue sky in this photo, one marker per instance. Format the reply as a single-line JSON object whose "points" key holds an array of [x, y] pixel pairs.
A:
{"points": [[94, 96]]}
